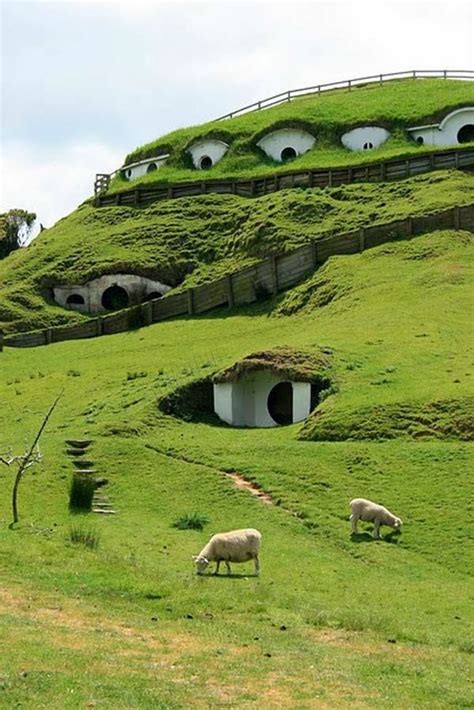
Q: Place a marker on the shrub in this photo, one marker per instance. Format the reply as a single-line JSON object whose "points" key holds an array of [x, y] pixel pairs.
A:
{"points": [[81, 492], [84, 536], [193, 521], [136, 375]]}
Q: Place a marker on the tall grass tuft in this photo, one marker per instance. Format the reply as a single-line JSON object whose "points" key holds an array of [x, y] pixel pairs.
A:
{"points": [[84, 536], [193, 521], [81, 492]]}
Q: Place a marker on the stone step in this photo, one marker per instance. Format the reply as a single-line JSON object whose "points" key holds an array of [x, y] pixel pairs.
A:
{"points": [[104, 511], [83, 463], [86, 471], [76, 452], [79, 443]]}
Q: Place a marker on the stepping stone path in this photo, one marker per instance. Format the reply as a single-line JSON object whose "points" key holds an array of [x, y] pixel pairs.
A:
{"points": [[76, 449]]}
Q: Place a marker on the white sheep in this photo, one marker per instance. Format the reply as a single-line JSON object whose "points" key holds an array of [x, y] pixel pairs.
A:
{"points": [[367, 511], [233, 546]]}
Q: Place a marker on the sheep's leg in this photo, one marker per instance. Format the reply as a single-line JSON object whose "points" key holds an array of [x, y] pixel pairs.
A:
{"points": [[257, 566], [354, 520], [229, 571], [377, 529], [216, 571]]}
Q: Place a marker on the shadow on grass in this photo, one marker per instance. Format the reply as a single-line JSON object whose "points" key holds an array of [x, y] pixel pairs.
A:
{"points": [[233, 575], [392, 538]]}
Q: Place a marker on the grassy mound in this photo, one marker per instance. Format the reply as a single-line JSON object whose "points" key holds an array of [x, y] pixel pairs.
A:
{"points": [[444, 419], [198, 239], [396, 106]]}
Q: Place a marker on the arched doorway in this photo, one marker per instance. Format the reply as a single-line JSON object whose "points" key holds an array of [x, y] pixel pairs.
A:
{"points": [[114, 298], [466, 133], [75, 299], [288, 153], [280, 403], [205, 163]]}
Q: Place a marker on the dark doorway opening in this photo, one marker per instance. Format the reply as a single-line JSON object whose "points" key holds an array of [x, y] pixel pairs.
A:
{"points": [[287, 154], [420, 140], [280, 403], [152, 167], [75, 299], [114, 298], [368, 146], [466, 133], [205, 163], [151, 296]]}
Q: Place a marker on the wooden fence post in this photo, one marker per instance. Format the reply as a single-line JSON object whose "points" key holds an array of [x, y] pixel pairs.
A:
{"points": [[100, 326], [230, 291], [456, 160], [148, 312], [409, 226], [137, 196], [310, 178], [170, 192], [190, 297], [274, 270], [330, 178], [362, 239], [456, 217], [48, 333], [383, 171], [1, 341]]}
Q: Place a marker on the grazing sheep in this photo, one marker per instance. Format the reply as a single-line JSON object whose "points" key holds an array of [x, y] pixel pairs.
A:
{"points": [[233, 546], [367, 511]]}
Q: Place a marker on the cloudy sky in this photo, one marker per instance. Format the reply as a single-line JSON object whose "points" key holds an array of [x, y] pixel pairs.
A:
{"points": [[85, 82]]}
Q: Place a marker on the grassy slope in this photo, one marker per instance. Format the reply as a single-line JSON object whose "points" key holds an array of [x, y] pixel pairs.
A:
{"points": [[396, 106], [207, 236], [113, 627]]}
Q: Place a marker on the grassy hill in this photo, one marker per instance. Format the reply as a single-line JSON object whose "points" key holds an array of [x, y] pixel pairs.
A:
{"points": [[396, 106], [331, 622], [192, 240]]}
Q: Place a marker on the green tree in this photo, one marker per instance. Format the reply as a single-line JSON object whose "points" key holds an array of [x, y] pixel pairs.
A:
{"points": [[15, 228]]}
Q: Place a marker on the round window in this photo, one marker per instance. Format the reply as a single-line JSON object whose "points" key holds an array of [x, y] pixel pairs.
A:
{"points": [[75, 299], [152, 167], [287, 153], [368, 146], [205, 163], [280, 403], [466, 133], [129, 173], [420, 140]]}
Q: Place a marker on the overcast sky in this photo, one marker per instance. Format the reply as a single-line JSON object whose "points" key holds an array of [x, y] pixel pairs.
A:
{"points": [[83, 83]]}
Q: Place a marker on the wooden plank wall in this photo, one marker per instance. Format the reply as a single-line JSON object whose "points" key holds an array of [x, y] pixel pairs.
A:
{"points": [[272, 275], [394, 169]]}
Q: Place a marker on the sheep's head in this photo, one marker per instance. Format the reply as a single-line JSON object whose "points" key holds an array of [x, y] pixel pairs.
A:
{"points": [[397, 524], [201, 563]]}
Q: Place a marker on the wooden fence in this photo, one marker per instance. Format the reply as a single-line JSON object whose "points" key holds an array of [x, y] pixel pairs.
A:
{"points": [[349, 84], [256, 187], [270, 276]]}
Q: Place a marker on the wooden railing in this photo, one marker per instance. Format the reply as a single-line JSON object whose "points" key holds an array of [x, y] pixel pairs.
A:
{"points": [[392, 169], [349, 84], [270, 276]]}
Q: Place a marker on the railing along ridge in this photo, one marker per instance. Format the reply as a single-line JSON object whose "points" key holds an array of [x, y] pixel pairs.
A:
{"points": [[391, 169], [268, 277], [285, 96]]}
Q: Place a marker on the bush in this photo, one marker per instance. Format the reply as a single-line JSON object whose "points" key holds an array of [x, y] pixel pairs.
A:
{"points": [[195, 521], [81, 492], [84, 536]]}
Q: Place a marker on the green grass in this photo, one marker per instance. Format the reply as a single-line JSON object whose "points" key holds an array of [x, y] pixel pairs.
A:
{"points": [[198, 239], [396, 106], [331, 622]]}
